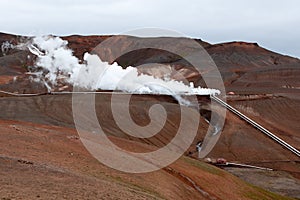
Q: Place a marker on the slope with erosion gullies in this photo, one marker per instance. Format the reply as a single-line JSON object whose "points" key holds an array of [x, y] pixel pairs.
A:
{"points": [[278, 114], [248, 66], [233, 58], [245, 67], [242, 65], [57, 110], [237, 62], [42, 161]]}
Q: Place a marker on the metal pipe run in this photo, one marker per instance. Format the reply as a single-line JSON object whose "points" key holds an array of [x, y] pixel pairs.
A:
{"points": [[258, 126]]}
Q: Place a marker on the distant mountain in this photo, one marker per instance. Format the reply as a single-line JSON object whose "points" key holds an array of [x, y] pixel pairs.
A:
{"points": [[245, 67]]}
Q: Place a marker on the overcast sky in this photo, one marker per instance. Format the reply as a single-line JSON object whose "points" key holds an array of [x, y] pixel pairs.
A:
{"points": [[273, 24]]}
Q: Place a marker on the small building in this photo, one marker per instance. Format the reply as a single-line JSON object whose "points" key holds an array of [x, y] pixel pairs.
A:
{"points": [[221, 161]]}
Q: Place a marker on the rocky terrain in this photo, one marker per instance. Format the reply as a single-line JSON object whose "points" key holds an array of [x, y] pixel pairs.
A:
{"points": [[42, 156]]}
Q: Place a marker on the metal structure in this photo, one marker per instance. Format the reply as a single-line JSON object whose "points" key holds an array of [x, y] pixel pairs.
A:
{"points": [[256, 125]]}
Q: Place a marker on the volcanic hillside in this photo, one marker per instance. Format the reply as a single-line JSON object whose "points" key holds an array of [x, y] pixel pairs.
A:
{"points": [[42, 156]]}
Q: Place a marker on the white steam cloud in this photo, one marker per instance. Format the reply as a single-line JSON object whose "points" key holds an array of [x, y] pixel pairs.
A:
{"points": [[56, 63]]}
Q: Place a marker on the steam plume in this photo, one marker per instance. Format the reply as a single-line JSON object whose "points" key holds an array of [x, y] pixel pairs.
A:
{"points": [[56, 62]]}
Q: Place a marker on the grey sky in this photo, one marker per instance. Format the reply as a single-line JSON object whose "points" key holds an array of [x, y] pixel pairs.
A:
{"points": [[273, 24]]}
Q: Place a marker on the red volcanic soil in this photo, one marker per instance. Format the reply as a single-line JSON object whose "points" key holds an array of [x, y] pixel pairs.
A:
{"points": [[248, 68], [42, 161], [42, 157]]}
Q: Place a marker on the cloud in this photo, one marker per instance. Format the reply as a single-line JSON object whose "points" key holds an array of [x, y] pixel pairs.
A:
{"points": [[270, 23]]}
